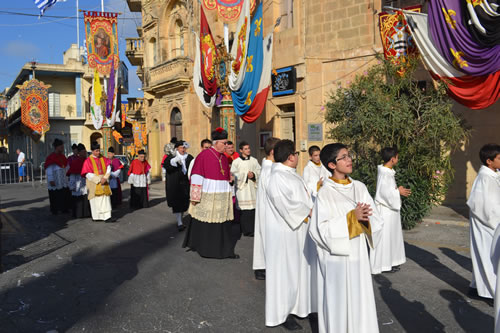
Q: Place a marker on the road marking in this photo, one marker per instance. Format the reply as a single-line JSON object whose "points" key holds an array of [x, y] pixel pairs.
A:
{"points": [[11, 223], [438, 245]]}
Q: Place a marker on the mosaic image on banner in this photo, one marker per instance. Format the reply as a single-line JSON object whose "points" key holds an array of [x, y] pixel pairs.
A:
{"points": [[102, 41]]}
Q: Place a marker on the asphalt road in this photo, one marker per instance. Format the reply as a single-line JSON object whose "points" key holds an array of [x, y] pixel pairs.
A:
{"points": [[133, 276]]}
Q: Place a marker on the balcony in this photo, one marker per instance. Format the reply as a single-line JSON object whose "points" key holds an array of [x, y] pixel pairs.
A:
{"points": [[134, 5], [134, 51], [170, 75]]}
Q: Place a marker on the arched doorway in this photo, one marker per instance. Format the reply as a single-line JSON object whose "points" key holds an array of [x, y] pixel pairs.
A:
{"points": [[154, 150], [176, 124], [96, 136]]}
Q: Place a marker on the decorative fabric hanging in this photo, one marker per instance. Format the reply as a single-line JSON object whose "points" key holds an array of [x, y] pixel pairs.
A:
{"points": [[475, 92], [243, 98], [96, 102], [34, 98], [239, 49], [397, 41], [102, 41], [228, 10], [455, 43], [483, 21]]}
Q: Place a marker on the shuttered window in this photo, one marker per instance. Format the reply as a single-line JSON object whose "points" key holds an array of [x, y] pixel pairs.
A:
{"points": [[54, 104]]}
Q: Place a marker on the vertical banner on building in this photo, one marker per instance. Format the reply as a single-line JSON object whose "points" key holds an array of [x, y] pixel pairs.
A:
{"points": [[102, 41], [397, 40], [34, 96]]}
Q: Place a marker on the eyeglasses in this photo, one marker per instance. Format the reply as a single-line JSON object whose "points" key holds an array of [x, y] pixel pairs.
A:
{"points": [[344, 157]]}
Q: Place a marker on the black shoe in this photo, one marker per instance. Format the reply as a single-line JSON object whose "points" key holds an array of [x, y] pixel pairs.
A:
{"points": [[260, 274], [181, 227], [234, 256], [111, 220], [395, 269], [472, 292], [249, 234], [291, 324]]}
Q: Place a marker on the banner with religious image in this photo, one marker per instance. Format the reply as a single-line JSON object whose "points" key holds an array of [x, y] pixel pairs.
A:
{"points": [[397, 41], [34, 97], [228, 10], [102, 41]]}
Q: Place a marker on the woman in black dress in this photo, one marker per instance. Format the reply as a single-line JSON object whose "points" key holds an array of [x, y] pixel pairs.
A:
{"points": [[177, 184]]}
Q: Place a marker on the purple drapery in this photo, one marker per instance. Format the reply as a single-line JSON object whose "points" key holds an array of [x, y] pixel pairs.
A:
{"points": [[455, 43], [111, 91]]}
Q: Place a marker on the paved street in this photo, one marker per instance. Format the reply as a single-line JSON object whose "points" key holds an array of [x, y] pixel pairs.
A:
{"points": [[133, 276]]}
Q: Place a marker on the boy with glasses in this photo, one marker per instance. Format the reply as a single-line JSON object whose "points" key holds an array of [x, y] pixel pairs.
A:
{"points": [[343, 224]]}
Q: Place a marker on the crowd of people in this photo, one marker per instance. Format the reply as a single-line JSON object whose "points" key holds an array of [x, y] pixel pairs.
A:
{"points": [[318, 238]]}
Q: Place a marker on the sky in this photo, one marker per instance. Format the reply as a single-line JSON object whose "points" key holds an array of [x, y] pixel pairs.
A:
{"points": [[28, 38]]}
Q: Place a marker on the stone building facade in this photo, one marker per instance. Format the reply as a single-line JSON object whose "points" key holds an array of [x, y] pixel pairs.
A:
{"points": [[324, 42]]}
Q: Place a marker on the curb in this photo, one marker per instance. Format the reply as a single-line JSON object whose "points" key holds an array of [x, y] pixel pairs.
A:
{"points": [[458, 223]]}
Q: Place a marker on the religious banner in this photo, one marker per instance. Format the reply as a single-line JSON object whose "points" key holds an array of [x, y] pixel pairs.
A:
{"points": [[455, 43], [204, 78], [228, 10], [102, 41], [140, 134], [397, 41], [34, 96], [4, 124]]}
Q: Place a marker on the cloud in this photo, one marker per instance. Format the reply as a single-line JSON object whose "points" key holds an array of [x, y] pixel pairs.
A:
{"points": [[17, 48]]}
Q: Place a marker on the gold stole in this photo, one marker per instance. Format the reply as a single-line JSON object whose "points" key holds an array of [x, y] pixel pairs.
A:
{"points": [[100, 189], [354, 226]]}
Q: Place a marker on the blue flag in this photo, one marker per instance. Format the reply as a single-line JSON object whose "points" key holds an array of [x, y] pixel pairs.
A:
{"points": [[244, 97], [43, 5]]}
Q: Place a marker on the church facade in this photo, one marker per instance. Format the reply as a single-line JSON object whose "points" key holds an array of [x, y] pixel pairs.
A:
{"points": [[318, 46]]}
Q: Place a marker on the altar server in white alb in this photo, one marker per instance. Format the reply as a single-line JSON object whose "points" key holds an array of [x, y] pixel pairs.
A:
{"points": [[390, 252], [246, 172], [484, 217], [315, 173], [495, 259], [262, 214], [289, 252], [343, 224]]}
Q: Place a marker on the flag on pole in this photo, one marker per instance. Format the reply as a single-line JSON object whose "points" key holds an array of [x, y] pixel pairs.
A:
{"points": [[95, 102], [43, 5]]}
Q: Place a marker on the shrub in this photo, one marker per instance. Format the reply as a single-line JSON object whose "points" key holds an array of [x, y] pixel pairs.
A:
{"points": [[381, 108]]}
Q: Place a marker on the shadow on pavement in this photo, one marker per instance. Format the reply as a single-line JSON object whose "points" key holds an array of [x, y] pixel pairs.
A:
{"points": [[430, 263], [412, 316], [60, 298], [467, 316], [461, 260]]}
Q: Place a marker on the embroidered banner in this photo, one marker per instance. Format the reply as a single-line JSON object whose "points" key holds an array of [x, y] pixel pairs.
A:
{"points": [[102, 41], [397, 41], [34, 97], [228, 10]]}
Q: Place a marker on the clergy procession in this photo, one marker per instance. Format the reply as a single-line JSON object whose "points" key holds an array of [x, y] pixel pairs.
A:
{"points": [[317, 238], [321, 166]]}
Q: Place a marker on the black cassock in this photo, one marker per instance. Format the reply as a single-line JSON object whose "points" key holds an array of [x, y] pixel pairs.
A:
{"points": [[177, 185]]}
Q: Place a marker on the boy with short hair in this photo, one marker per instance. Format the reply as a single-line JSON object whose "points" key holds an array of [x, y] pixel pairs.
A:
{"points": [[484, 217], [343, 224], [262, 215], [390, 253], [246, 171], [315, 173]]}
